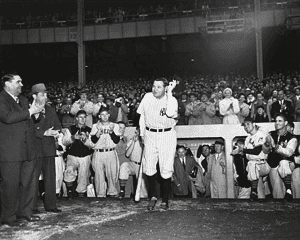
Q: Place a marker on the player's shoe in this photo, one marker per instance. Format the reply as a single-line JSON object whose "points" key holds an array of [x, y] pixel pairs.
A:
{"points": [[253, 196], [121, 195], [288, 196], [164, 206], [152, 203]]}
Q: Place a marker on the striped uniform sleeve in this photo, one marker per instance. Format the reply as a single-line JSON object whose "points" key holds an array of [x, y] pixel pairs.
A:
{"points": [[141, 111], [172, 107]]}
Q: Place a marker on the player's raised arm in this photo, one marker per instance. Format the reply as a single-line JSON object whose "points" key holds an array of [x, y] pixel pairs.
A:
{"points": [[172, 104]]}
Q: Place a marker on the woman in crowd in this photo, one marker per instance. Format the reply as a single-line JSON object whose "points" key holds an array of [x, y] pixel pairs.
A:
{"points": [[229, 108]]}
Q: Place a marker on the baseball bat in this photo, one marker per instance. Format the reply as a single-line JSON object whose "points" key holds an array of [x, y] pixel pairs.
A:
{"points": [[139, 183]]}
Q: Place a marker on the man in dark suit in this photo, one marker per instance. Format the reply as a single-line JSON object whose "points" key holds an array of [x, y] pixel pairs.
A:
{"points": [[183, 185], [282, 106], [47, 127], [17, 152]]}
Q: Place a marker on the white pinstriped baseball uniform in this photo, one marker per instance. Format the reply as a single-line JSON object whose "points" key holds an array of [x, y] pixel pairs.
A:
{"points": [[159, 146], [132, 167], [256, 167]]}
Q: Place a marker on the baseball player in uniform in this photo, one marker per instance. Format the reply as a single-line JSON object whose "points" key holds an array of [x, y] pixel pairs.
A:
{"points": [[134, 152], [158, 113], [282, 145], [257, 166], [79, 156], [59, 163], [105, 162]]}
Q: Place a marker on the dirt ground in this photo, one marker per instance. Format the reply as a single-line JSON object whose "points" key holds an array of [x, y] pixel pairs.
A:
{"points": [[92, 218]]}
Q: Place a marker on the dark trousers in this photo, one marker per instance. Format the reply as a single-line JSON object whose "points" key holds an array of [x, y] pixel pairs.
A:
{"points": [[165, 186], [46, 165], [17, 189]]}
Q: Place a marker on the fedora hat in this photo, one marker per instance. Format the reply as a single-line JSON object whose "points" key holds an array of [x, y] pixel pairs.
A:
{"points": [[219, 141], [40, 87]]}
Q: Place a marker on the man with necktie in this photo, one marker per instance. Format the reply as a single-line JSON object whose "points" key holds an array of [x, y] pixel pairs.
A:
{"points": [[17, 152], [282, 106], [183, 166]]}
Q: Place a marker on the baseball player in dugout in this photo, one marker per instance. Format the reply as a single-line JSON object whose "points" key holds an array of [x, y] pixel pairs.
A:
{"points": [[121, 151], [282, 145], [134, 153], [103, 139], [257, 166], [47, 127], [159, 110], [78, 158], [296, 171]]}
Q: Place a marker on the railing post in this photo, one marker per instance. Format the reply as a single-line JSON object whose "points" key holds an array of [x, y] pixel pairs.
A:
{"points": [[80, 43], [258, 35]]}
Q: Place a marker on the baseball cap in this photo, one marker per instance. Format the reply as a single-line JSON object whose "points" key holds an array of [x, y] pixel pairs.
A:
{"points": [[248, 119], [240, 140]]}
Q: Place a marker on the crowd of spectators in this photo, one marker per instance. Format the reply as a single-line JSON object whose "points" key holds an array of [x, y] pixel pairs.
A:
{"points": [[255, 97], [110, 14]]}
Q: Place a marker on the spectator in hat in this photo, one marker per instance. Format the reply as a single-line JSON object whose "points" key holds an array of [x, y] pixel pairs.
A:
{"points": [[216, 172], [229, 108], [244, 108], [47, 127], [84, 104]]}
